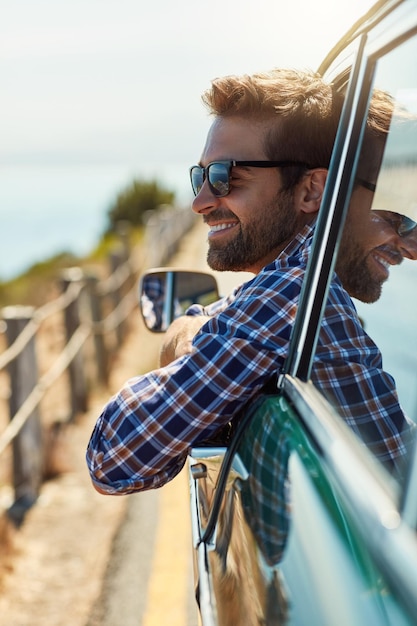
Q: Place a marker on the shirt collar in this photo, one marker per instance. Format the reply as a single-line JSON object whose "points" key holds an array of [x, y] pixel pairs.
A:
{"points": [[300, 242]]}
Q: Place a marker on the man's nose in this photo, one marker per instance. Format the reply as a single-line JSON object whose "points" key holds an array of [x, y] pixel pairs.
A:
{"points": [[408, 245], [205, 201]]}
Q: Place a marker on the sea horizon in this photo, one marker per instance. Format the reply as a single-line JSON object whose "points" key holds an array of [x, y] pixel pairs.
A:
{"points": [[46, 210]]}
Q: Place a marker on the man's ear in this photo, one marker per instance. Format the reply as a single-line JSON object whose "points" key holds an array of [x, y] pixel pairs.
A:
{"points": [[311, 190]]}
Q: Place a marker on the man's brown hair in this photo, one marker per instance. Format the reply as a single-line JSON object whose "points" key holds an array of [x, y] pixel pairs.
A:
{"points": [[307, 110]]}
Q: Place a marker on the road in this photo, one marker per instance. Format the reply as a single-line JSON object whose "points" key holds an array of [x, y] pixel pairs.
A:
{"points": [[149, 580]]}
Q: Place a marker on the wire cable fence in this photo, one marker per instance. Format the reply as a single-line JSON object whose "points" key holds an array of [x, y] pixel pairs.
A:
{"points": [[81, 331]]}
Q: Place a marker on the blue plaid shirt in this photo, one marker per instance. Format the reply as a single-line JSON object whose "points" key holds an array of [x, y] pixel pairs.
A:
{"points": [[142, 438]]}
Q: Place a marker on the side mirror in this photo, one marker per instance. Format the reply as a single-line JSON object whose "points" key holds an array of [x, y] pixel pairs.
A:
{"points": [[165, 294]]}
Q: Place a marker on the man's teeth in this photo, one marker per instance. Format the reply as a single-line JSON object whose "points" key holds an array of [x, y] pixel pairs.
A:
{"points": [[220, 227], [383, 262]]}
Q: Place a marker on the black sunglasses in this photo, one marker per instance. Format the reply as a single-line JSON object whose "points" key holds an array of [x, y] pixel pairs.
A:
{"points": [[402, 224], [406, 226], [218, 174]]}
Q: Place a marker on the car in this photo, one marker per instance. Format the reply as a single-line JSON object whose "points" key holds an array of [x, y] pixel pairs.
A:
{"points": [[294, 520]]}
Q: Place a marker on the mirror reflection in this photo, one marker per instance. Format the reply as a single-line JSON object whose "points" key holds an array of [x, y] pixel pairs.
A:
{"points": [[392, 320], [165, 294]]}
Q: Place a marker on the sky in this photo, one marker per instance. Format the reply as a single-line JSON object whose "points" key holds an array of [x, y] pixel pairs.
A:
{"points": [[96, 86]]}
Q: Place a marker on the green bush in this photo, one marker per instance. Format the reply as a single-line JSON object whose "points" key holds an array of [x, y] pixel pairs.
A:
{"points": [[134, 201], [37, 284]]}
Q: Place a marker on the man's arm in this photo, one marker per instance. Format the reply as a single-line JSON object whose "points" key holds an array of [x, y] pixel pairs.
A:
{"points": [[179, 336]]}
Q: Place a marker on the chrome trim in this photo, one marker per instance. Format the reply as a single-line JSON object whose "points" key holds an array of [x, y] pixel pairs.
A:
{"points": [[195, 511], [409, 503], [229, 461], [201, 571], [207, 453], [206, 600]]}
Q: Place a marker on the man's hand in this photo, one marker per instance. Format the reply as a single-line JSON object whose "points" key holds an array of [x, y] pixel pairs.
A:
{"points": [[179, 337]]}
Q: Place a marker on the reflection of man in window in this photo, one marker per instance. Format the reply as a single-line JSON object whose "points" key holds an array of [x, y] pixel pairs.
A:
{"points": [[375, 239]]}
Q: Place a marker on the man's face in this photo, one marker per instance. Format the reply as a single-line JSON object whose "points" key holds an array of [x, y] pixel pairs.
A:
{"points": [[370, 246], [252, 224]]}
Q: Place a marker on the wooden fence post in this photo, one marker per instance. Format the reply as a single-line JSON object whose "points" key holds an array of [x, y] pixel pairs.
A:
{"points": [[27, 445], [102, 357], [76, 369], [116, 261], [154, 251], [123, 229]]}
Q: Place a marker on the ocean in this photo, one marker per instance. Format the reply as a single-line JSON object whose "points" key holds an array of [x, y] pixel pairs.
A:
{"points": [[45, 210]]}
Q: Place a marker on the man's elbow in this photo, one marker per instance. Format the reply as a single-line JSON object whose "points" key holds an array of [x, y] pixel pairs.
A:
{"points": [[106, 489]]}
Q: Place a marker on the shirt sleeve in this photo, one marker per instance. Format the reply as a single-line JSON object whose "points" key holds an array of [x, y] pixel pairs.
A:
{"points": [[215, 307], [142, 437], [145, 432]]}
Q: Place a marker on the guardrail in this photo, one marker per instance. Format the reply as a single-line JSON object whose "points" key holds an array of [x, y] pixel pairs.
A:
{"points": [[90, 317]]}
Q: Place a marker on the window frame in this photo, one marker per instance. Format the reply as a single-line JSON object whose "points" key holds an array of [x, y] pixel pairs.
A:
{"points": [[339, 186]]}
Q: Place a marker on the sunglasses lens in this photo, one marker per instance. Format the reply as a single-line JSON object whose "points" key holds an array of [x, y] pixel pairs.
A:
{"points": [[218, 177], [406, 226], [197, 178]]}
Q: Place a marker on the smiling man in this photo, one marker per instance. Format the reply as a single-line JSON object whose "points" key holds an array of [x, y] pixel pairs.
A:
{"points": [[237, 241], [373, 239], [258, 186]]}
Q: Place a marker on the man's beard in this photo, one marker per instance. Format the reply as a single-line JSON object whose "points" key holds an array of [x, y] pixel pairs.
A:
{"points": [[273, 226], [355, 275]]}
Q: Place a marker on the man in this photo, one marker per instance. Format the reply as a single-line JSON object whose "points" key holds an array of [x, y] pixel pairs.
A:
{"points": [[258, 187], [374, 240]]}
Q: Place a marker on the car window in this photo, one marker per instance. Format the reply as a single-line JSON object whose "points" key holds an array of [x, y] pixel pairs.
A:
{"points": [[392, 320], [382, 269]]}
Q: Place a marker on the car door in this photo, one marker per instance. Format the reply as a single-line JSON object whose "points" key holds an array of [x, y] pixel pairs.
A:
{"points": [[295, 521]]}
